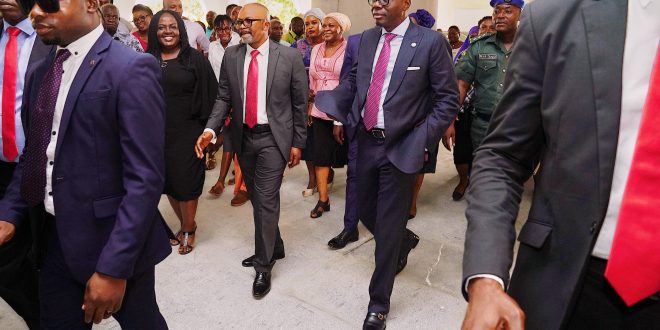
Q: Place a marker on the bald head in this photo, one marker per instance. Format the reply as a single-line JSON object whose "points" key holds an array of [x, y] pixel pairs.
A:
{"points": [[255, 19], [173, 5], [110, 15]]}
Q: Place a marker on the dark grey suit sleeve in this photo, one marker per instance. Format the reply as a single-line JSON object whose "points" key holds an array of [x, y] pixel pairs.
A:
{"points": [[299, 93], [504, 161], [445, 89], [222, 102]]}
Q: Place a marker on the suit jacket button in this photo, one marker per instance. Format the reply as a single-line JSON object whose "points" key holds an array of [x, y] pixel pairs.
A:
{"points": [[593, 227]]}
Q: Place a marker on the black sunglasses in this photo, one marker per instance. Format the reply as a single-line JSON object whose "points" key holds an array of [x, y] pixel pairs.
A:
{"points": [[49, 6]]}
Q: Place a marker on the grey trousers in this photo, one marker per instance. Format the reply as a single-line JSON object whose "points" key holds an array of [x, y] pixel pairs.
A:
{"points": [[263, 166]]}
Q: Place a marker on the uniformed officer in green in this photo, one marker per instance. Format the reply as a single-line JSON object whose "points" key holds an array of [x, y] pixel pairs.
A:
{"points": [[484, 65]]}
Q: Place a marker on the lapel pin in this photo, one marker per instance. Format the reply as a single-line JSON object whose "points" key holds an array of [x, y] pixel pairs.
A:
{"points": [[92, 62], [413, 45]]}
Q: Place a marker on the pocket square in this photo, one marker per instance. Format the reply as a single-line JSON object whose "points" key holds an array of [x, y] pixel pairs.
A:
{"points": [[412, 68]]}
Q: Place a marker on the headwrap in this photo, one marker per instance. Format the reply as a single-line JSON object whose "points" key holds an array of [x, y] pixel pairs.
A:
{"points": [[343, 21], [316, 12], [517, 3], [424, 18], [466, 44]]}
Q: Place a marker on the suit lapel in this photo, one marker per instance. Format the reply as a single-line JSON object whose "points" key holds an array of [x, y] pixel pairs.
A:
{"points": [[240, 61], [406, 54], [89, 64], [39, 52], [606, 31], [273, 56], [366, 55]]}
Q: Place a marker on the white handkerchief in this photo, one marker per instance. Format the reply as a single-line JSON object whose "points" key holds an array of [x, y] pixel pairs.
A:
{"points": [[412, 68]]}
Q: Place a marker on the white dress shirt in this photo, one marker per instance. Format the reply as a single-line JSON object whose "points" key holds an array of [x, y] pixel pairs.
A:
{"points": [[642, 37], [217, 53], [196, 36], [395, 46], [79, 50], [262, 59]]}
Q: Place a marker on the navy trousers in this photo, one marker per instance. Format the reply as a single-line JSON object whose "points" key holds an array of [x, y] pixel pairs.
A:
{"points": [[61, 296], [384, 195], [351, 210]]}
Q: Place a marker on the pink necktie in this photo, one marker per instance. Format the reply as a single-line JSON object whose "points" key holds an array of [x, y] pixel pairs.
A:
{"points": [[633, 268], [9, 78], [252, 91], [377, 81]]}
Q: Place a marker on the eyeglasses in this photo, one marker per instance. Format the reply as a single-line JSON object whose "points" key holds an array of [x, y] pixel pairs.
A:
{"points": [[382, 2], [139, 19], [49, 6], [247, 22]]}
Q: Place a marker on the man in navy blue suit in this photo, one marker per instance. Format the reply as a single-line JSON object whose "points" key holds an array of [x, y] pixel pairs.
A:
{"points": [[404, 95], [96, 172]]}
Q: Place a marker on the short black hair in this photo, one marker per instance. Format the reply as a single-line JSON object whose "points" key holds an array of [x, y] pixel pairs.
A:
{"points": [[297, 18], [483, 19], [220, 19], [454, 27], [230, 7], [141, 7]]}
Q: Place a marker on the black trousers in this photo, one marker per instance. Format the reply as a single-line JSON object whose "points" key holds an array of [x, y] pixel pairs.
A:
{"points": [[384, 194], [600, 307], [263, 167], [61, 296], [18, 273]]}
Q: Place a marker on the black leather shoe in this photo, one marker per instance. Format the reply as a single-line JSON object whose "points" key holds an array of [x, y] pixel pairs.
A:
{"points": [[249, 261], [261, 285], [374, 321], [410, 242], [345, 237]]}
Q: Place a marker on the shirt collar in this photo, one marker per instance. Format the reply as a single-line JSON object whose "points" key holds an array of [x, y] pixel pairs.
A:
{"points": [[645, 3], [25, 25], [84, 44], [399, 30], [263, 49]]}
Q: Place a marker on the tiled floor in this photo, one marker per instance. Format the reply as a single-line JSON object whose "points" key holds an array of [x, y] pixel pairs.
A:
{"points": [[313, 287]]}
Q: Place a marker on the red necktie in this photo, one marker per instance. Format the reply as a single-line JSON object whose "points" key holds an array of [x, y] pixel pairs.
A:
{"points": [[633, 268], [252, 91], [9, 78]]}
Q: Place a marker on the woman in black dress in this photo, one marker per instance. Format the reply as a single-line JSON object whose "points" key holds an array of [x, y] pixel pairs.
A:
{"points": [[190, 89]]}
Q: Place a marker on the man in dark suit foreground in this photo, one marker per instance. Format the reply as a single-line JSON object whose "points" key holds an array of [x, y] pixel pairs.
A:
{"points": [[96, 172], [20, 51], [402, 94], [582, 95], [266, 85]]}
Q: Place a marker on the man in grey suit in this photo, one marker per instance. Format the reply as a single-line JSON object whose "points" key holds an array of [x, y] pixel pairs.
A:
{"points": [[402, 94], [266, 85], [575, 91]]}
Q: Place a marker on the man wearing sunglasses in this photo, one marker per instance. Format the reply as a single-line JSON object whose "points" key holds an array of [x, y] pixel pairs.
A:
{"points": [[20, 51], [93, 172], [402, 92]]}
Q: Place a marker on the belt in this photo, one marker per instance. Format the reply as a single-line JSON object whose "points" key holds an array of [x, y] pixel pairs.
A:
{"points": [[259, 128], [376, 133]]}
